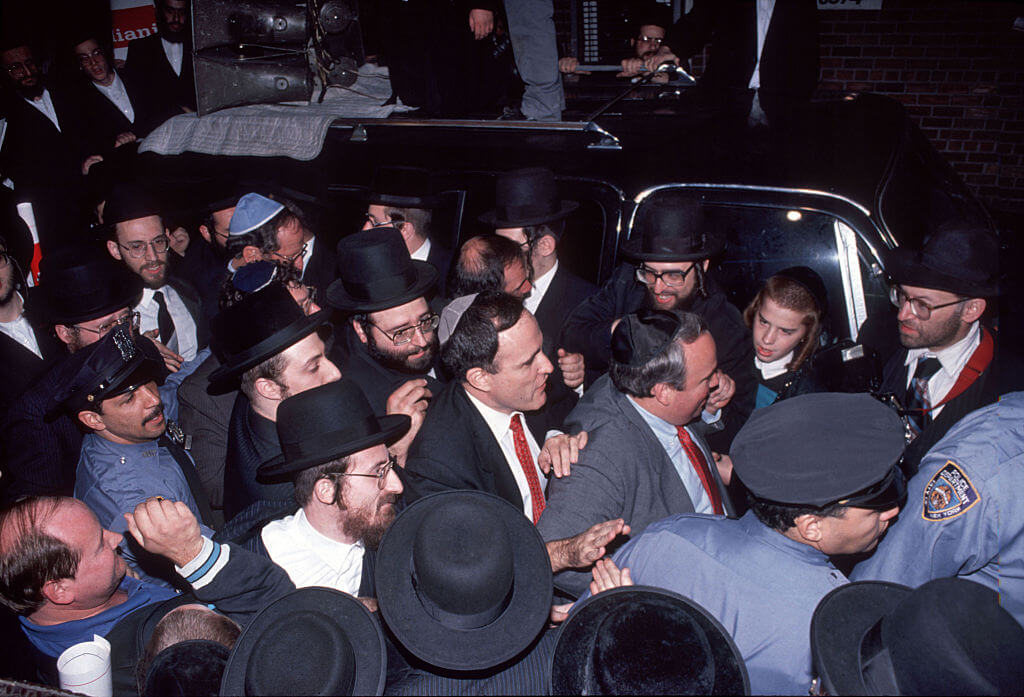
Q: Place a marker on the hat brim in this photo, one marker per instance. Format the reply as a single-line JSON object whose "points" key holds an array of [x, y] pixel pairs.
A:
{"points": [[902, 266], [838, 627], [564, 209], [238, 363], [42, 307], [374, 198], [580, 628], [364, 634], [632, 248], [464, 649], [426, 277], [393, 427]]}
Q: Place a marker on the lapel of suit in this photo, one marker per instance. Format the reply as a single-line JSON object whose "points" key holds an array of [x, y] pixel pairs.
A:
{"points": [[491, 460], [190, 297]]}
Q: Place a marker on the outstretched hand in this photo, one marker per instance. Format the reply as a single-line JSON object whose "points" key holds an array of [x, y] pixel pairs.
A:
{"points": [[582, 550], [167, 528], [560, 453]]}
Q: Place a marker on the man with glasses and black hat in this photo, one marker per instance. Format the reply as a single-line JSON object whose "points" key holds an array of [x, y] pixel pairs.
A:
{"points": [[671, 243], [823, 479], [85, 296], [950, 364], [334, 448], [132, 451]]}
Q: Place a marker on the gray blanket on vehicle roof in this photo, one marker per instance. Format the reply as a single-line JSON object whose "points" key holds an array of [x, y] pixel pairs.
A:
{"points": [[293, 129]]}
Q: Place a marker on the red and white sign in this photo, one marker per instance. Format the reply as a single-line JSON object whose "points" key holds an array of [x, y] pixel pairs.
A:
{"points": [[132, 19]]}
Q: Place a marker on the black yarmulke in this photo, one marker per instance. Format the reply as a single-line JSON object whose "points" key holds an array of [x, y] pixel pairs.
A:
{"points": [[643, 335]]}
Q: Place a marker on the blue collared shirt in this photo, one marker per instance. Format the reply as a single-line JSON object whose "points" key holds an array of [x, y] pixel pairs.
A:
{"points": [[669, 438], [762, 586]]}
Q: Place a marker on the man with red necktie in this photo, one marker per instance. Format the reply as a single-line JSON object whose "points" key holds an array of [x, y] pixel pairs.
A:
{"points": [[643, 460]]}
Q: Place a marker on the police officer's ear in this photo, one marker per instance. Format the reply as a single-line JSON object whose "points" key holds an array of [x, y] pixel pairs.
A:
{"points": [[973, 309], [809, 528], [92, 420]]}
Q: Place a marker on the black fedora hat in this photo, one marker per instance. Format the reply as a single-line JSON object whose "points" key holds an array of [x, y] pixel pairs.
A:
{"points": [[672, 227], [376, 272], [645, 641], [77, 284], [948, 637], [15, 237], [403, 187], [313, 641], [527, 196], [259, 326], [130, 201], [958, 257], [468, 580], [193, 667], [325, 423]]}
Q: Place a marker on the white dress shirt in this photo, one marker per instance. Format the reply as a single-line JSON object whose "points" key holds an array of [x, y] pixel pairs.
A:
{"points": [[423, 252], [501, 426], [312, 559], [953, 359], [174, 53], [669, 438], [184, 340], [21, 331], [540, 287], [764, 18], [118, 96], [307, 255], [775, 368], [45, 105]]}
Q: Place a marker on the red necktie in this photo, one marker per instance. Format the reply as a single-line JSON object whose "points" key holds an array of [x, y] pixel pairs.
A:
{"points": [[529, 468], [700, 464]]}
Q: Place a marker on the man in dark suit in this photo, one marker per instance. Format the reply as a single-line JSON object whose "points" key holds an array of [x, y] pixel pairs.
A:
{"points": [[473, 436], [671, 244], [951, 363], [643, 460], [163, 61], [44, 150]]}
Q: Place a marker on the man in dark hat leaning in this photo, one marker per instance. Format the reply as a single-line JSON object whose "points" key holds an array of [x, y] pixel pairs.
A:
{"points": [[642, 462], [84, 297], [671, 244], [335, 451], [132, 451], [951, 363], [763, 575]]}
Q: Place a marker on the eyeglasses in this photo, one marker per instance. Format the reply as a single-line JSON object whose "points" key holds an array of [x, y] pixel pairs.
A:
{"points": [[404, 335], [380, 475], [656, 40], [25, 65], [131, 319], [292, 258], [137, 249], [94, 54], [394, 221], [918, 307], [672, 278]]}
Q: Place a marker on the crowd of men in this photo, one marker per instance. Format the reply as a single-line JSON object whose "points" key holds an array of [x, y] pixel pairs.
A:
{"points": [[260, 463]]}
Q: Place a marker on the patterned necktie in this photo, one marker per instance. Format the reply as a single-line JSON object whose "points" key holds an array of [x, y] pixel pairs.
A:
{"points": [[700, 464], [529, 468], [918, 400], [163, 318]]}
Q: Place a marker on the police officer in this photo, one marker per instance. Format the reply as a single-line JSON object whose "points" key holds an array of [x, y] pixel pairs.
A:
{"points": [[127, 456], [966, 519], [823, 479]]}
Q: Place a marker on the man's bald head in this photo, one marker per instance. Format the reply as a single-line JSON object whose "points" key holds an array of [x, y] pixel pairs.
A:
{"points": [[490, 263]]}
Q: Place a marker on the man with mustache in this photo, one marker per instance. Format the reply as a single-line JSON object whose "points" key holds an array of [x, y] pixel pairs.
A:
{"points": [[335, 450], [129, 454], [163, 61]]}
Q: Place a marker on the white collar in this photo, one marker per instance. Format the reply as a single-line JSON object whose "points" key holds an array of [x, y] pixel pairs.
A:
{"points": [[499, 422], [115, 86], [775, 368], [422, 252], [955, 356], [540, 287]]}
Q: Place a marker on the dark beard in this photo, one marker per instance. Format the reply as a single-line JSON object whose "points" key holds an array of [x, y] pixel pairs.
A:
{"points": [[369, 527], [8, 292], [402, 365], [175, 37], [31, 93]]}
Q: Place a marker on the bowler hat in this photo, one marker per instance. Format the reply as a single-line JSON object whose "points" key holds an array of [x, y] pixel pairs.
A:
{"points": [[403, 187], [959, 257], [313, 641], [672, 227], [527, 196], [326, 423], [947, 637], [78, 284], [468, 580], [642, 335], [16, 238], [258, 327], [645, 641], [376, 272]]}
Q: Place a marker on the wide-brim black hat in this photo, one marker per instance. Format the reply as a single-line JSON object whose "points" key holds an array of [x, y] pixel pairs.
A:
{"points": [[313, 641], [16, 236], [838, 627], [258, 327], [614, 623], [326, 423], [958, 258], [77, 284], [403, 187], [672, 227], [526, 196], [482, 624], [376, 272]]}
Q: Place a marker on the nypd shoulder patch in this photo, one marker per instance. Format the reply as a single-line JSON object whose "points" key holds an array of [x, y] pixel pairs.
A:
{"points": [[949, 493]]}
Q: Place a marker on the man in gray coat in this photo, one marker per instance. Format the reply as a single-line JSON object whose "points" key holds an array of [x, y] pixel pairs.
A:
{"points": [[643, 462]]}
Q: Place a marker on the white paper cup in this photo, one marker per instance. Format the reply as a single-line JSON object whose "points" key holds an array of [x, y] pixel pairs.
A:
{"points": [[85, 668]]}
